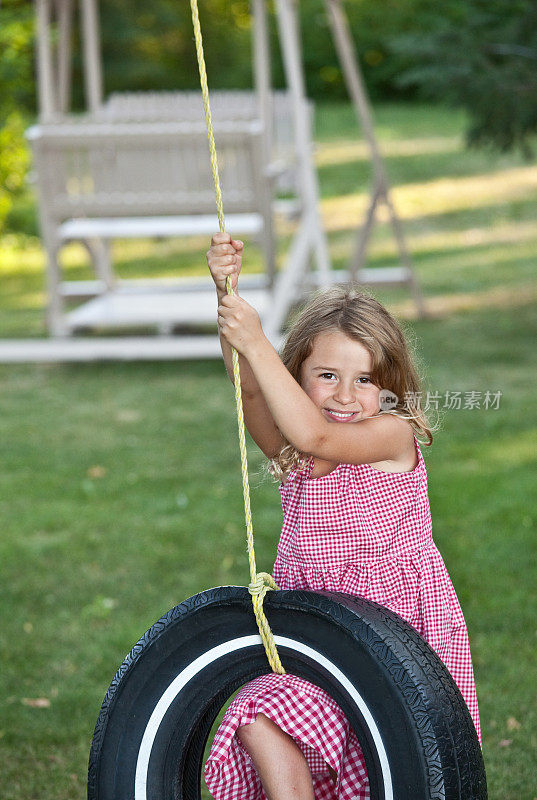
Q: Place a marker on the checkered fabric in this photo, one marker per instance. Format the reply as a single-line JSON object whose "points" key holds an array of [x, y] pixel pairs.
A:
{"points": [[364, 532], [311, 717]]}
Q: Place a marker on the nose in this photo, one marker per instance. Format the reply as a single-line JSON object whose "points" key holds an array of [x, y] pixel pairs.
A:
{"points": [[345, 393]]}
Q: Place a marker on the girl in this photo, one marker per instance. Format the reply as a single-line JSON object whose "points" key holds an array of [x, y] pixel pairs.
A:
{"points": [[356, 520]]}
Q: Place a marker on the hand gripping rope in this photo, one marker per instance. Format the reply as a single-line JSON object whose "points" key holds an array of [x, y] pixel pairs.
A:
{"points": [[260, 582]]}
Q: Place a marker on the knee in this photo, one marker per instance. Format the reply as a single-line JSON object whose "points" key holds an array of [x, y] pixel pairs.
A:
{"points": [[255, 730]]}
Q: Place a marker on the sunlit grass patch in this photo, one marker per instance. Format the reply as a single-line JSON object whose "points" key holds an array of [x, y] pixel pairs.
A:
{"points": [[452, 303], [20, 255], [519, 449], [343, 152], [429, 241], [438, 196]]}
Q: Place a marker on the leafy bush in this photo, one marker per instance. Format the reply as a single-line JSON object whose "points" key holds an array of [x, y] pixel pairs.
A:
{"points": [[480, 55], [14, 162], [17, 99]]}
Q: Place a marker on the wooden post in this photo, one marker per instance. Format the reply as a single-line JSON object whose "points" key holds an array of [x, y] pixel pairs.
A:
{"points": [[353, 77], [92, 57], [291, 52], [262, 69], [65, 15], [45, 67], [381, 191], [262, 83]]}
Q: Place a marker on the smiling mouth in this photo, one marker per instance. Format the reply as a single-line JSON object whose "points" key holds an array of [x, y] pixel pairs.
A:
{"points": [[341, 416]]}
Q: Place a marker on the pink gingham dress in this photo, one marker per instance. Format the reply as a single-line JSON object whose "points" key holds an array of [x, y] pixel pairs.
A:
{"points": [[364, 532]]}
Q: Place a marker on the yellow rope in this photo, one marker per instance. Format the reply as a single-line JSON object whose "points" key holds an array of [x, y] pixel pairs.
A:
{"points": [[260, 582]]}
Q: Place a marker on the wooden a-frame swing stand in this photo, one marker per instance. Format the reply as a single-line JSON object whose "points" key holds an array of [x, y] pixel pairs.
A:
{"points": [[135, 166]]}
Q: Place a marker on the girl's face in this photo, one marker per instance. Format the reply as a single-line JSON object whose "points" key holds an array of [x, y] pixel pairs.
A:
{"points": [[337, 377]]}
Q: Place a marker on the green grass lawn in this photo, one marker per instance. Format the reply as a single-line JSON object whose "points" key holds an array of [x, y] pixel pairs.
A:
{"points": [[120, 483]]}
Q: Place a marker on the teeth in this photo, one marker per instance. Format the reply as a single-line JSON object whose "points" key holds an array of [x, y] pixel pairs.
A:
{"points": [[341, 413]]}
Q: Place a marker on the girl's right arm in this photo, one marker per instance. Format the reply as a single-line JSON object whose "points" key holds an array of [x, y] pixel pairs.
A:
{"points": [[224, 258]]}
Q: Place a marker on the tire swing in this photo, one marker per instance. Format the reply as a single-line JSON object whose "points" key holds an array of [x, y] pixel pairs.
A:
{"points": [[416, 733]]}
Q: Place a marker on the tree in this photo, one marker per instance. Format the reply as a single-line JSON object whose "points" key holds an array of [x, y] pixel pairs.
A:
{"points": [[17, 95], [480, 55]]}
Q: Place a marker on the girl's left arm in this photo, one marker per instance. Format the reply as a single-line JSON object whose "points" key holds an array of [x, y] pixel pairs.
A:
{"points": [[297, 417]]}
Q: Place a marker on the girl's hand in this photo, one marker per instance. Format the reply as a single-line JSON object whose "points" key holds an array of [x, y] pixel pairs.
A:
{"points": [[239, 323], [224, 258]]}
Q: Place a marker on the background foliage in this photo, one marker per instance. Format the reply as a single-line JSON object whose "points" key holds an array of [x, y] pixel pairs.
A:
{"points": [[17, 99], [480, 55], [460, 50]]}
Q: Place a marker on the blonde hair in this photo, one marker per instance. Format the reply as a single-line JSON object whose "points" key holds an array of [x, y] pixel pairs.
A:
{"points": [[362, 318]]}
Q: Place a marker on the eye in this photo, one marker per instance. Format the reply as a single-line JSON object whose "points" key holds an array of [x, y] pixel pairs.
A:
{"points": [[327, 375], [364, 379]]}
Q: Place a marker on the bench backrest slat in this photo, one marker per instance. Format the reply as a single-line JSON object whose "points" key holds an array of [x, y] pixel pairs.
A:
{"points": [[146, 169]]}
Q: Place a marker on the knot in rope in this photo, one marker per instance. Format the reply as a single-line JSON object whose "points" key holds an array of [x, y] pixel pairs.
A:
{"points": [[262, 584], [259, 586]]}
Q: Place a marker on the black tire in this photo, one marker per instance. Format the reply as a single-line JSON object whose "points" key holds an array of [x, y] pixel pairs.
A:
{"points": [[418, 738]]}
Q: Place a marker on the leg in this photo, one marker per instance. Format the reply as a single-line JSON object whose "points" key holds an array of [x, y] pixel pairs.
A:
{"points": [[99, 250], [280, 763]]}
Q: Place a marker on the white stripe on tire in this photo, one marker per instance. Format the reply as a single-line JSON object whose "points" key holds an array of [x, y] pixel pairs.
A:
{"points": [[178, 684]]}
